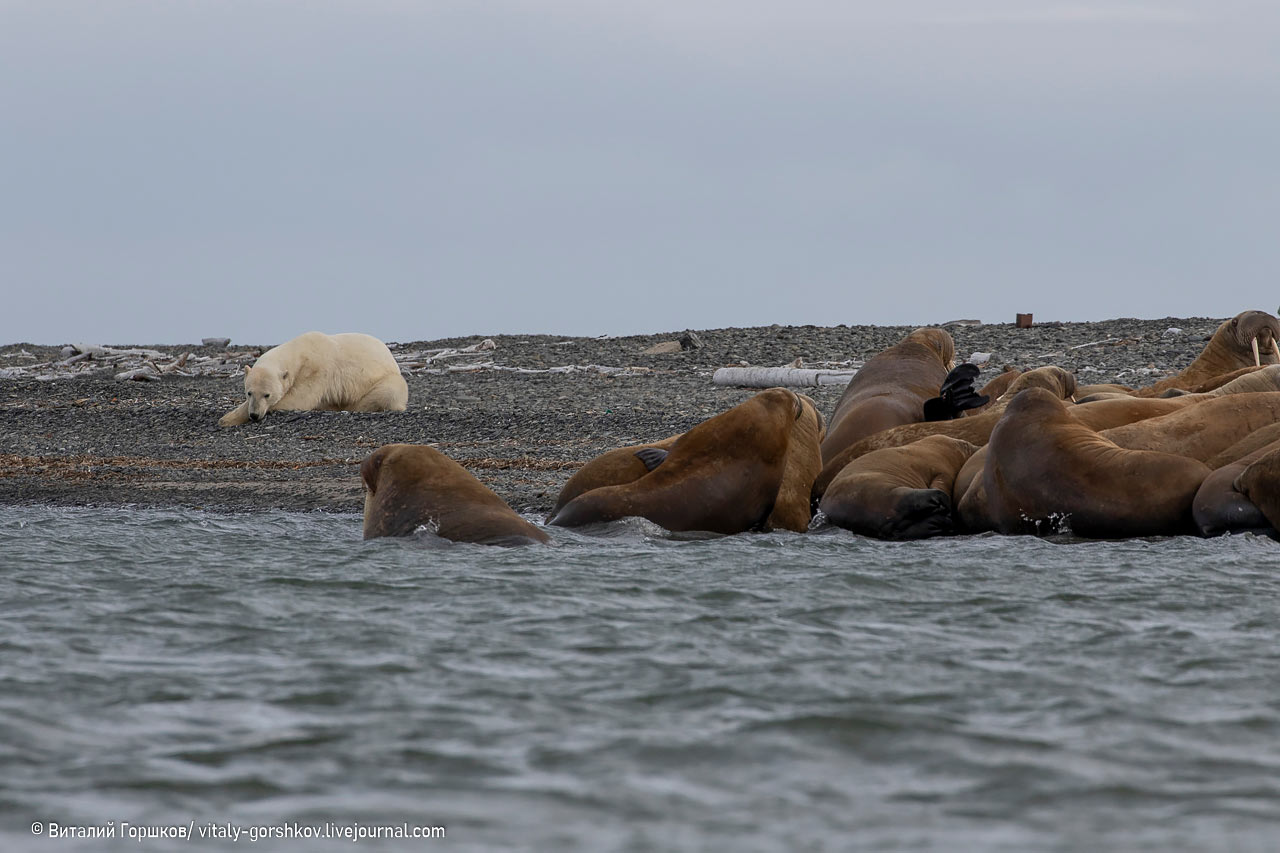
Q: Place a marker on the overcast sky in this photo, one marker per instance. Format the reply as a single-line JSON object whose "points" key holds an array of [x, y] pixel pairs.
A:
{"points": [[174, 170]]}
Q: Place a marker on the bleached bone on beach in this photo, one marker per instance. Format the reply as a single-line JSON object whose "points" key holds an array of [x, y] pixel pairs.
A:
{"points": [[139, 374], [416, 360], [95, 351], [788, 377], [567, 368], [1082, 346]]}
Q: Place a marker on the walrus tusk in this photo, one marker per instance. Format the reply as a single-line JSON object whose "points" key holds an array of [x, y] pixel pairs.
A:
{"points": [[1257, 359]]}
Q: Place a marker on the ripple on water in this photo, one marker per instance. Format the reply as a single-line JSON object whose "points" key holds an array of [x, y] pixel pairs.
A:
{"points": [[627, 687]]}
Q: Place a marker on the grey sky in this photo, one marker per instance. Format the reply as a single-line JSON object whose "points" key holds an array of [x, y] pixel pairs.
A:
{"points": [[174, 170]]}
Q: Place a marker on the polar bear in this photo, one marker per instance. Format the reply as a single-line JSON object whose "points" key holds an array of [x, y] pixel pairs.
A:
{"points": [[346, 372]]}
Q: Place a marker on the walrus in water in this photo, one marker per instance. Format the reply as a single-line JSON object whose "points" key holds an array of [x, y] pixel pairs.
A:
{"points": [[890, 389], [1044, 467], [408, 486], [898, 492], [1247, 339], [791, 511], [613, 468], [721, 476]]}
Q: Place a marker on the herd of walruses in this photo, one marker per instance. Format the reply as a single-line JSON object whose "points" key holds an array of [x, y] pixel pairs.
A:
{"points": [[912, 450]]}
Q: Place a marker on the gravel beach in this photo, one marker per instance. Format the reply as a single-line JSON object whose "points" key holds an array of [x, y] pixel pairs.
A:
{"points": [[93, 439]]}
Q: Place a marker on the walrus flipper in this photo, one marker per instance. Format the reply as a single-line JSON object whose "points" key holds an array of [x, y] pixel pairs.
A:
{"points": [[938, 409], [956, 395], [652, 457]]}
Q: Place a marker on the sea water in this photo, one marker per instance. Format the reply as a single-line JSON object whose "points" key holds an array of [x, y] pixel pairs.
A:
{"points": [[177, 671]]}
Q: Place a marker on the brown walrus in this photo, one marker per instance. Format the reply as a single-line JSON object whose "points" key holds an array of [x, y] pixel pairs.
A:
{"points": [[890, 389], [1203, 429], [974, 429], [898, 492], [1104, 414], [968, 497], [1247, 339], [791, 511], [1252, 442], [1044, 467], [1116, 412], [1260, 483], [613, 468], [408, 486], [1218, 381], [1219, 507], [721, 476]]}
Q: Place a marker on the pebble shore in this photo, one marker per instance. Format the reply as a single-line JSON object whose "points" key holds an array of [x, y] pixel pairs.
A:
{"points": [[521, 426]]}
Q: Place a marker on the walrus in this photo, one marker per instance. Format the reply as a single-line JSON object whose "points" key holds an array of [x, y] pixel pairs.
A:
{"points": [[1260, 483], [1043, 466], [1220, 380], [974, 429], [613, 468], [1200, 430], [722, 476], [969, 499], [1247, 339], [890, 389], [408, 486], [791, 511], [898, 492], [1219, 507], [1102, 391], [1202, 439], [1108, 414], [1252, 442]]}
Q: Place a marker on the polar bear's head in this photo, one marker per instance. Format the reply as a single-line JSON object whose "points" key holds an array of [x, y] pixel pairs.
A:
{"points": [[263, 388]]}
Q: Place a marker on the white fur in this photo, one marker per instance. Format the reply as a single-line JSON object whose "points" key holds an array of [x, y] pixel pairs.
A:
{"points": [[347, 372]]}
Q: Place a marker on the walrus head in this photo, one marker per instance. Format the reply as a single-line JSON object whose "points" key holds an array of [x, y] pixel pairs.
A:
{"points": [[1050, 377], [937, 340], [1039, 401], [1255, 331], [807, 404]]}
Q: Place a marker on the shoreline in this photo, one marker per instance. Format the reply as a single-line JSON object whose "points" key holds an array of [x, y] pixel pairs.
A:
{"points": [[521, 416]]}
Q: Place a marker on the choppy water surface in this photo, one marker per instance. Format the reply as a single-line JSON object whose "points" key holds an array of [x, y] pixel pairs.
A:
{"points": [[631, 691]]}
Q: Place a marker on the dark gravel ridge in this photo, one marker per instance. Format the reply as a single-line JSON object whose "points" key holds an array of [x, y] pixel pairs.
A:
{"points": [[93, 440]]}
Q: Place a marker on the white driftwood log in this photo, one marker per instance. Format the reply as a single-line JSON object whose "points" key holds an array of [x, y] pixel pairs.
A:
{"points": [[770, 377]]}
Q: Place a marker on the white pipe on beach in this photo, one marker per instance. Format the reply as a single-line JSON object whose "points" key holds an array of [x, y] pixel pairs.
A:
{"points": [[771, 377]]}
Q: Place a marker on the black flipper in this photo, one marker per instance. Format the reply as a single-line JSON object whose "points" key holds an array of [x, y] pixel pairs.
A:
{"points": [[961, 376], [651, 457], [957, 395], [938, 409]]}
